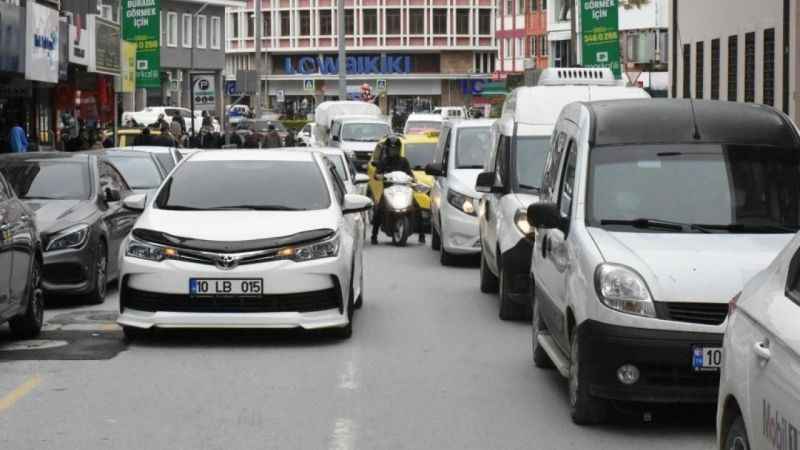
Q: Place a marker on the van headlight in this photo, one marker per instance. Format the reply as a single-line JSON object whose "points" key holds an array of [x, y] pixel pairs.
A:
{"points": [[148, 251], [72, 237], [521, 222], [622, 289], [326, 248], [462, 202]]}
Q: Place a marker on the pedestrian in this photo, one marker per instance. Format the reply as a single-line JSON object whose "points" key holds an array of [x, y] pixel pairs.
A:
{"points": [[144, 138], [290, 139], [17, 139], [158, 122], [179, 118], [273, 139], [165, 139], [207, 123]]}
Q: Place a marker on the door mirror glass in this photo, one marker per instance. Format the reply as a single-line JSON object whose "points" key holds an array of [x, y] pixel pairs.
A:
{"points": [[434, 169], [544, 215], [354, 203], [111, 194], [361, 178], [486, 183], [135, 202]]}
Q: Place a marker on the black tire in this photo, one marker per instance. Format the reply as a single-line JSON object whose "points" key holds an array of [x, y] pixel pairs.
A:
{"points": [[584, 409], [346, 331], [29, 324], [98, 294], [736, 436], [133, 333], [540, 357], [360, 300], [400, 235], [489, 283], [446, 259], [436, 240], [509, 310]]}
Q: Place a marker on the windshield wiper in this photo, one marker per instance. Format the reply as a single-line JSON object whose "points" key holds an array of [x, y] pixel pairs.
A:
{"points": [[470, 167], [656, 223], [527, 186], [255, 208], [751, 228]]}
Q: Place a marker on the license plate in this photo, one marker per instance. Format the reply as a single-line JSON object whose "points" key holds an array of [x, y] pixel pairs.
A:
{"points": [[226, 287], [706, 358]]}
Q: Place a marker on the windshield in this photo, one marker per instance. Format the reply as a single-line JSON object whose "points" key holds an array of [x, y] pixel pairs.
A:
{"points": [[419, 155], [364, 132], [420, 125], [728, 187], [140, 173], [245, 185], [56, 180], [166, 161], [531, 156], [472, 146]]}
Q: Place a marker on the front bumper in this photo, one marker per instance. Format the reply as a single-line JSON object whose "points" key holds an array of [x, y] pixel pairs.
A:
{"points": [[69, 271], [460, 232], [664, 360], [516, 263]]}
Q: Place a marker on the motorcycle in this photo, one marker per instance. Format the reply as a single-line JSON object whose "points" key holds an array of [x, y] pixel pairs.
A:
{"points": [[399, 208]]}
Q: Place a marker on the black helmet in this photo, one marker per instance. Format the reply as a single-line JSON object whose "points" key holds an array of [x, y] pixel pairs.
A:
{"points": [[393, 147]]}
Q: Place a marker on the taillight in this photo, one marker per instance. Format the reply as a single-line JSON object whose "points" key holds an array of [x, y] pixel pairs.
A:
{"points": [[732, 304]]}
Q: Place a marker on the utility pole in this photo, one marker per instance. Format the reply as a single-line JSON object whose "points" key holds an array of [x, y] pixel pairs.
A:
{"points": [[259, 24], [575, 9], [342, 53]]}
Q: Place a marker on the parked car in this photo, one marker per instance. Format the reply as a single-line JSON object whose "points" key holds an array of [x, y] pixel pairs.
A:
{"points": [[461, 152], [249, 238], [141, 170], [237, 113], [167, 157], [653, 215], [759, 395], [513, 177], [21, 301], [77, 199], [254, 131], [421, 123]]}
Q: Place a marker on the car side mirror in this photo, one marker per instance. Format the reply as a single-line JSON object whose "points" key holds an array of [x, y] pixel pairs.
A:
{"points": [[544, 215], [111, 195], [361, 178], [434, 169], [485, 183], [335, 138], [354, 203], [135, 202]]}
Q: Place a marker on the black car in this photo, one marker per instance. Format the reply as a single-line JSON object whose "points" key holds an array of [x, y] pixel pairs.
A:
{"points": [[79, 214], [21, 302], [141, 170]]}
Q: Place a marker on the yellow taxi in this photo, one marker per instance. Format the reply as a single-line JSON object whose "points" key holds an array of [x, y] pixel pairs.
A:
{"points": [[126, 136]]}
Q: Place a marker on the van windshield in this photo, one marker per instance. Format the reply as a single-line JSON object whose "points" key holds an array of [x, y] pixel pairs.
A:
{"points": [[472, 147], [531, 156], [699, 187], [364, 132]]}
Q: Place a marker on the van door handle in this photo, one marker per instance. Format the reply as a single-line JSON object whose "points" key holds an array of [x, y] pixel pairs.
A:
{"points": [[762, 350]]}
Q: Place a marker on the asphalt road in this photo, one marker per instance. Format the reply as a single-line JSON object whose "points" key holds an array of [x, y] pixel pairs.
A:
{"points": [[429, 366]]}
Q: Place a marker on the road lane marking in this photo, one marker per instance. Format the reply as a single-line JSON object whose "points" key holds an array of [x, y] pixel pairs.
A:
{"points": [[348, 378], [22, 390], [343, 437]]}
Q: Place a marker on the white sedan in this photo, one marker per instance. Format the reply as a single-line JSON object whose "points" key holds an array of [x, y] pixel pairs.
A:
{"points": [[244, 239], [759, 397]]}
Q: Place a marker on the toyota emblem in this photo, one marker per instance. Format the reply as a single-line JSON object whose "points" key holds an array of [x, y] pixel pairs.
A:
{"points": [[227, 262]]}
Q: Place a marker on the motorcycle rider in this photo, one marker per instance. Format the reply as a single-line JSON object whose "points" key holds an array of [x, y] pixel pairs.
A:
{"points": [[391, 160]]}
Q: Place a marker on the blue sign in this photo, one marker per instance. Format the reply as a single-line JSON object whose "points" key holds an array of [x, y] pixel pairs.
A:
{"points": [[355, 65], [472, 87], [230, 87]]}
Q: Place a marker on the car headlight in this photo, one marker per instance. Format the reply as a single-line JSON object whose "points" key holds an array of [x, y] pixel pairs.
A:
{"points": [[462, 202], [72, 237], [521, 221], [327, 248], [148, 251], [622, 289]]}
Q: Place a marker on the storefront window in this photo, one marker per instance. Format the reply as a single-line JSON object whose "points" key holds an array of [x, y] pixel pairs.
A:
{"points": [[462, 21]]}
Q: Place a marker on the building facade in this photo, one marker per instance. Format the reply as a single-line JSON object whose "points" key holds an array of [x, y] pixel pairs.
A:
{"points": [[511, 36], [412, 53], [538, 47], [736, 50]]}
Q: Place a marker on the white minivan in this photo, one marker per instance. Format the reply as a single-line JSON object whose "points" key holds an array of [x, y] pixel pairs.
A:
{"points": [[514, 175], [462, 149], [653, 216]]}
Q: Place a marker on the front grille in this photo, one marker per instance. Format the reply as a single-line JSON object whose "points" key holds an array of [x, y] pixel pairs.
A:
{"points": [[301, 302], [678, 377], [702, 313], [63, 273]]}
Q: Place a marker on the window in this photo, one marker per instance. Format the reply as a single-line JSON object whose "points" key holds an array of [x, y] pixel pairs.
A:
{"points": [[472, 147], [186, 37], [172, 29], [216, 31], [750, 67], [568, 182], [141, 173], [733, 68], [305, 22], [251, 25], [393, 21], [110, 178], [370, 18], [286, 23], [507, 48], [699, 74], [338, 185], [687, 71], [544, 5], [439, 21], [416, 21], [534, 5], [501, 164], [533, 44], [235, 25], [484, 21], [715, 69], [769, 67], [325, 22], [509, 7], [565, 13], [544, 46], [520, 47], [531, 155], [349, 22], [793, 279], [202, 28], [56, 179], [462, 21]]}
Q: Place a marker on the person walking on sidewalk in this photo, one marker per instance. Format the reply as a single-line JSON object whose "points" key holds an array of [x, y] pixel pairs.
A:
{"points": [[17, 140]]}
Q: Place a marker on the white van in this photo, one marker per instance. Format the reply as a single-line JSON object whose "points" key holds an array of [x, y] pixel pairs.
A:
{"points": [[358, 136], [513, 175], [653, 216], [418, 123]]}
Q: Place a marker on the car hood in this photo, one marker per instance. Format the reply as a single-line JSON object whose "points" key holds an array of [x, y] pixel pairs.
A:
{"points": [[55, 215], [703, 268], [463, 181], [357, 146], [236, 225]]}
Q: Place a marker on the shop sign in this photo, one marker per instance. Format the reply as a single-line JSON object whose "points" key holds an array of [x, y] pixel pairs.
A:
{"points": [[16, 89], [104, 53], [141, 24], [355, 65], [12, 47], [204, 93], [600, 37], [78, 45], [63, 49], [472, 87], [128, 69], [41, 46]]}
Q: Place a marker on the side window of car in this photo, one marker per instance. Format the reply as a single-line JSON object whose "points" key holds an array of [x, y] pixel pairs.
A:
{"points": [[338, 185], [438, 156], [568, 182], [793, 279], [552, 166], [446, 149], [501, 160]]}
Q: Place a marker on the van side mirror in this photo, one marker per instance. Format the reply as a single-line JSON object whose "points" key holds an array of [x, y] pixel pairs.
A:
{"points": [[111, 195], [434, 169], [361, 178], [544, 215], [485, 183]]}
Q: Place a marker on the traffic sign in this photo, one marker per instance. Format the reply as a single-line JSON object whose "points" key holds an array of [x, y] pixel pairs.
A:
{"points": [[308, 85], [381, 86], [230, 87], [203, 92], [280, 95]]}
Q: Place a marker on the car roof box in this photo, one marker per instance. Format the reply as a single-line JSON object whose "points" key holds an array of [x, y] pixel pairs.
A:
{"points": [[565, 76]]}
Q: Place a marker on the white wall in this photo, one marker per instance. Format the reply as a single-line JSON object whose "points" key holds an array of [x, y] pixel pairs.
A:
{"points": [[652, 15]]}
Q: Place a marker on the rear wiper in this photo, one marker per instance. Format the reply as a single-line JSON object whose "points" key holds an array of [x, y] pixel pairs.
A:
{"points": [[751, 228], [655, 223]]}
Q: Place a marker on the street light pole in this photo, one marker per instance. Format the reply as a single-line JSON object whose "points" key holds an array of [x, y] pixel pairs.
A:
{"points": [[258, 21], [191, 61], [342, 52]]}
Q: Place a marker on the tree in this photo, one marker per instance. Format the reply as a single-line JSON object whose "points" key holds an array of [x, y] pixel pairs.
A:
{"points": [[630, 4]]}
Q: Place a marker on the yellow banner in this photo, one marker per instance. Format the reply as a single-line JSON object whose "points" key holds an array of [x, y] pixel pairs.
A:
{"points": [[128, 66]]}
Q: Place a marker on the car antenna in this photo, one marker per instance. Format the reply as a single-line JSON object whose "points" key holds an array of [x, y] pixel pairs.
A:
{"points": [[696, 130]]}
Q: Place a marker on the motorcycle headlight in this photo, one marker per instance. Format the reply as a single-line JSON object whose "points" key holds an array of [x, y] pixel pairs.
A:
{"points": [[521, 221], [72, 237], [423, 188], [148, 251], [622, 289], [327, 248], [398, 199], [462, 202]]}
